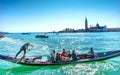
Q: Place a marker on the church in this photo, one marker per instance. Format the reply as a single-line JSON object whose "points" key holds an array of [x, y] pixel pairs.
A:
{"points": [[96, 28]]}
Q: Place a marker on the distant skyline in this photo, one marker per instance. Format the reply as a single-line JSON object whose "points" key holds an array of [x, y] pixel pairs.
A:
{"points": [[55, 15]]}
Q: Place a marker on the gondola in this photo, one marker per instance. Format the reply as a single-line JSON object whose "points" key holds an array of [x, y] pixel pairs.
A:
{"points": [[44, 60]]}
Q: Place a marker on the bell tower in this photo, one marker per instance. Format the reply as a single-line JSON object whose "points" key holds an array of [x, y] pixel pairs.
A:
{"points": [[86, 24]]}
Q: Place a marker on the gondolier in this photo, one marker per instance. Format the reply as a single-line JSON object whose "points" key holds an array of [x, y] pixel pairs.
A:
{"points": [[23, 48]]}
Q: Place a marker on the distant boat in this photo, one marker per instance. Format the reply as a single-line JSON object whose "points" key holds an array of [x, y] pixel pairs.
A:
{"points": [[25, 33], [2, 36], [41, 36]]}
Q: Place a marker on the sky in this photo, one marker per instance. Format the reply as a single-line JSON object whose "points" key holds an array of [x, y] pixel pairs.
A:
{"points": [[56, 15]]}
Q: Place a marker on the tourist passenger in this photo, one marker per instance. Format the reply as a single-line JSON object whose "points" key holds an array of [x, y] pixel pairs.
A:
{"points": [[23, 48], [74, 56], [69, 56], [53, 56], [91, 52], [64, 53], [58, 57]]}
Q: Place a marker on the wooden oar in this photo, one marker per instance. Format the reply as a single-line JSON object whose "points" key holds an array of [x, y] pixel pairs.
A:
{"points": [[11, 68], [14, 66]]}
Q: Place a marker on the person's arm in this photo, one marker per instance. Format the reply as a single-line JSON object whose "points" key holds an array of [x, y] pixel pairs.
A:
{"points": [[31, 45]]}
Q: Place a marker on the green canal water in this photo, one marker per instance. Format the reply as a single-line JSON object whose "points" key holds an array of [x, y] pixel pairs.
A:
{"points": [[81, 42]]}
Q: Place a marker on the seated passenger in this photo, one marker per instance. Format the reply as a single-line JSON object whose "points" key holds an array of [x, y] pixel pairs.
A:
{"points": [[64, 53], [69, 56], [53, 56], [74, 56], [91, 52], [58, 57], [62, 58]]}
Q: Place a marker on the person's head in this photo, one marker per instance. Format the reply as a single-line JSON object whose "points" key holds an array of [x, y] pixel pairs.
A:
{"points": [[57, 53], [73, 51], [53, 51], [63, 50], [91, 48]]}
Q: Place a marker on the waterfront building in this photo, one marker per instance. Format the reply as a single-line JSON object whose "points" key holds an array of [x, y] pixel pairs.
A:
{"points": [[67, 30], [98, 28]]}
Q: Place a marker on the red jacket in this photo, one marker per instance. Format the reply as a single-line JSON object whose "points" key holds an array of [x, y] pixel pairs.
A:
{"points": [[64, 54]]}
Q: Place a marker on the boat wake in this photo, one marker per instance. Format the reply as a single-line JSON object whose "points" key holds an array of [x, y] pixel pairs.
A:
{"points": [[9, 40], [8, 46]]}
